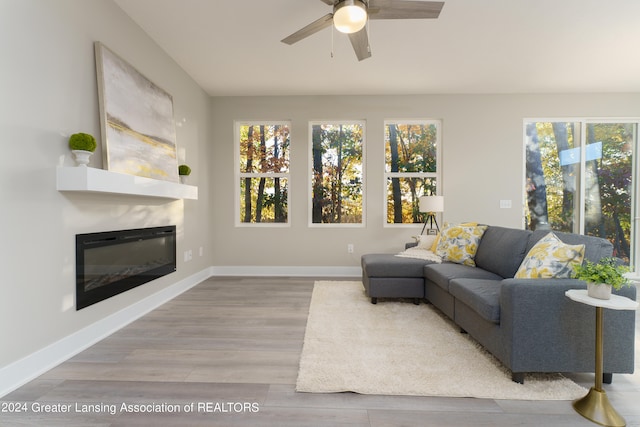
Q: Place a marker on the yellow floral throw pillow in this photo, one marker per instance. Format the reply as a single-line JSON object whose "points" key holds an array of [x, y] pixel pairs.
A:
{"points": [[550, 258], [459, 243]]}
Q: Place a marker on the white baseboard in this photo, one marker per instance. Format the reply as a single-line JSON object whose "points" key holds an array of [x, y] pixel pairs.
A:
{"points": [[30, 367], [275, 271]]}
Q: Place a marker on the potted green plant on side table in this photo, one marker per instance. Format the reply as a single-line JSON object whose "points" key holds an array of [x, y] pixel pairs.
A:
{"points": [[602, 276], [82, 146]]}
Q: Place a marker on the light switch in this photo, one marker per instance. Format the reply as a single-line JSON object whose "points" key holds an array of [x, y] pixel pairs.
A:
{"points": [[505, 204]]}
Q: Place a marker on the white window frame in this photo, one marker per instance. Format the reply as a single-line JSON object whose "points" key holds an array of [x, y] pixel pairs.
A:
{"points": [[310, 222], [240, 175], [387, 175]]}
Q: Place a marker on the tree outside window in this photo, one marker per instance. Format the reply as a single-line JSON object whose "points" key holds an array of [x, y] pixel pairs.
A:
{"points": [[263, 172], [411, 168], [587, 193], [337, 173]]}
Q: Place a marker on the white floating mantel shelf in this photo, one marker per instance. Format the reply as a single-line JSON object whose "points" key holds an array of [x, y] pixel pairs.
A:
{"points": [[102, 181]]}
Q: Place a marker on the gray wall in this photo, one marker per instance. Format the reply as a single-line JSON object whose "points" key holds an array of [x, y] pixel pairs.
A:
{"points": [[49, 91], [483, 163]]}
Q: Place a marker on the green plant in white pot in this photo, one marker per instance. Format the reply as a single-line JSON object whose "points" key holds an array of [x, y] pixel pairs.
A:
{"points": [[602, 276], [184, 171], [82, 146]]}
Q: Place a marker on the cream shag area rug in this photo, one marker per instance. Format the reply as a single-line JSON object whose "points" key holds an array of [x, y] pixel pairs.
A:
{"points": [[398, 348]]}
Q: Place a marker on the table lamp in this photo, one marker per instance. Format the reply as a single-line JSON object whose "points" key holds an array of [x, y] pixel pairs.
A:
{"points": [[430, 205]]}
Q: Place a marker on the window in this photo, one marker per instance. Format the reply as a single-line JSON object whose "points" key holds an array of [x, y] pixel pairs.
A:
{"points": [[263, 178], [411, 168], [337, 173], [588, 191]]}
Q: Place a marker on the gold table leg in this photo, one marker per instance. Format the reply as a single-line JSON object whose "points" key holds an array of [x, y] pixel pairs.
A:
{"points": [[595, 405]]}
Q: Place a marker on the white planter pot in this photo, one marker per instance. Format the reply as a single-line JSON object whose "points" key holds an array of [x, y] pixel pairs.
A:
{"points": [[82, 157], [183, 179], [599, 290]]}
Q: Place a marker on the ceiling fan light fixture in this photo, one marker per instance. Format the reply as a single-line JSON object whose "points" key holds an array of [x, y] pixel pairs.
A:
{"points": [[350, 16]]}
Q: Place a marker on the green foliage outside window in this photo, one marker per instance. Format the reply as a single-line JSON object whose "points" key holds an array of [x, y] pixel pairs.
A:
{"points": [[337, 169], [553, 167], [264, 172], [411, 169]]}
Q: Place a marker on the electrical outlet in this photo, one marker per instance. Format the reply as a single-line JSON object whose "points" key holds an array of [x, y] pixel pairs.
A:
{"points": [[188, 255], [350, 248]]}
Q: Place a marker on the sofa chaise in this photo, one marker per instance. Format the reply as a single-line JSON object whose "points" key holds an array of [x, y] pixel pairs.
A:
{"points": [[527, 323]]}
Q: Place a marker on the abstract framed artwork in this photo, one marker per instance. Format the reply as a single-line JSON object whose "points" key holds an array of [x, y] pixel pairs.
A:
{"points": [[138, 128]]}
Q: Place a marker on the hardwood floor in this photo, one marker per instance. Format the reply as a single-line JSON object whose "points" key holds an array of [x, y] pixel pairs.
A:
{"points": [[226, 352]]}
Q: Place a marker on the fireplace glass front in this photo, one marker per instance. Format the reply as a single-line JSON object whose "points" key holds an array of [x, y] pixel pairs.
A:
{"points": [[112, 262]]}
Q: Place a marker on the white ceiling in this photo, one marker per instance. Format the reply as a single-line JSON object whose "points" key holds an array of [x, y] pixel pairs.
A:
{"points": [[233, 48]]}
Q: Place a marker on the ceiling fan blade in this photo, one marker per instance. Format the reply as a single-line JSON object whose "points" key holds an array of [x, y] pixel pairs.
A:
{"points": [[314, 27], [404, 9], [360, 43], [329, 2]]}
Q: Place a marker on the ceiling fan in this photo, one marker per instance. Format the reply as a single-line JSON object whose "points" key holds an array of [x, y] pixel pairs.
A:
{"points": [[350, 17]]}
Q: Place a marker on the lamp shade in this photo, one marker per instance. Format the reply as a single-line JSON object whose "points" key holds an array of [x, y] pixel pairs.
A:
{"points": [[431, 204], [349, 16]]}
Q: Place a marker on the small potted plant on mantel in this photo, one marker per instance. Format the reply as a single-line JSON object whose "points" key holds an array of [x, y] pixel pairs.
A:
{"points": [[184, 171], [602, 276], [82, 146]]}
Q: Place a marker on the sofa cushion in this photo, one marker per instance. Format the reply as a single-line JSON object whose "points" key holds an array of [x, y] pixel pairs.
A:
{"points": [[482, 296], [502, 250], [441, 274], [459, 243], [389, 265], [551, 258], [595, 247]]}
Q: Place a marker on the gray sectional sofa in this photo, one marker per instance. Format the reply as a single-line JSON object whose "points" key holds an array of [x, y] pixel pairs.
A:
{"points": [[528, 324]]}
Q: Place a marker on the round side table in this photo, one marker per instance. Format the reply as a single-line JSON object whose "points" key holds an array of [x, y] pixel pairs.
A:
{"points": [[595, 405]]}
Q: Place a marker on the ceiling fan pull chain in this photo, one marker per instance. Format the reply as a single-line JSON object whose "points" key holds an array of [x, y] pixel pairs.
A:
{"points": [[369, 32], [332, 30]]}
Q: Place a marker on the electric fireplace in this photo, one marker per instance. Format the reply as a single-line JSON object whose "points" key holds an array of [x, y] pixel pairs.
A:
{"points": [[112, 262]]}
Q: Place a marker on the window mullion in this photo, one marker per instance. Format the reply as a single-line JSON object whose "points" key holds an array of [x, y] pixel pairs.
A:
{"points": [[263, 175], [583, 176], [635, 204]]}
